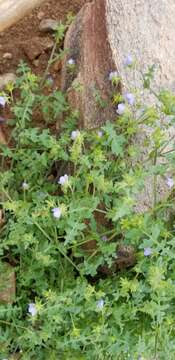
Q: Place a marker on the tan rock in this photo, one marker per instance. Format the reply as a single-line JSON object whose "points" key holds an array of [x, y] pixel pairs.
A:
{"points": [[34, 47], [40, 15], [7, 56], [48, 25], [13, 10]]}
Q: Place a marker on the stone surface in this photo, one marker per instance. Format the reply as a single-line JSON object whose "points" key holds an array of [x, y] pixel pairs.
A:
{"points": [[13, 10], [48, 25], [144, 29], [7, 284], [101, 37], [36, 46], [7, 56], [88, 46], [40, 15], [7, 78]]}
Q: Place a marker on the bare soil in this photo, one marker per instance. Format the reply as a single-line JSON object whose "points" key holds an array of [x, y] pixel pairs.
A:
{"points": [[24, 41], [26, 32]]}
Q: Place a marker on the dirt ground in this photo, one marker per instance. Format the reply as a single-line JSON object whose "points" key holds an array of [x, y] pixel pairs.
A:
{"points": [[24, 41], [16, 43]]}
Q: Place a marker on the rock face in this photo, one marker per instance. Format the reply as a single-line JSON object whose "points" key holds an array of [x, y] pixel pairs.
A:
{"points": [[88, 85], [100, 38], [104, 33], [48, 25], [144, 29], [13, 10], [34, 47]]}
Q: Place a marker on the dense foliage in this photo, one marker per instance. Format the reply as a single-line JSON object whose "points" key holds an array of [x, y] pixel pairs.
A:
{"points": [[69, 203]]}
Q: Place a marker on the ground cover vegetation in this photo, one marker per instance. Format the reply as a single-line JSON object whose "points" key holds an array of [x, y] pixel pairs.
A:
{"points": [[68, 215]]}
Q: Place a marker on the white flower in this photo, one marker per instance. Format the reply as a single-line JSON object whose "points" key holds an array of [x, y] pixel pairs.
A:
{"points": [[2, 101], [75, 134], [63, 180], [100, 304], [147, 251], [25, 185], [130, 98], [100, 133], [128, 61], [121, 109], [32, 309], [113, 75], [170, 182], [56, 212], [71, 62]]}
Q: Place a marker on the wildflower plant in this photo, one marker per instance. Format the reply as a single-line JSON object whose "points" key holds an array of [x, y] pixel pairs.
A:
{"points": [[69, 202]]}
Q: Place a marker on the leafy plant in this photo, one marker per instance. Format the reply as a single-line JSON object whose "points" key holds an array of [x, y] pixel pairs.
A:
{"points": [[69, 203]]}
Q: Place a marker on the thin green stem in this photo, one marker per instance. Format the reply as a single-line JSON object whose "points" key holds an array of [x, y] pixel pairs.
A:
{"points": [[17, 326], [48, 65], [155, 181], [60, 250]]}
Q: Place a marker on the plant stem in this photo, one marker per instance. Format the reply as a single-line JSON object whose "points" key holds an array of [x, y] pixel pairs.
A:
{"points": [[60, 250], [48, 65]]}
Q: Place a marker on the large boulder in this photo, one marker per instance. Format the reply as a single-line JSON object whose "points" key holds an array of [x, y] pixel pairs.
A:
{"points": [[100, 39], [144, 29], [13, 10]]}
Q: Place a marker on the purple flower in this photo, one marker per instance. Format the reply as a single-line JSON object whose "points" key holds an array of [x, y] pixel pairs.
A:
{"points": [[63, 180], [100, 304], [104, 238], [25, 185], [170, 182], [100, 133], [130, 98], [121, 109], [113, 75], [56, 212], [71, 62], [147, 251], [128, 61], [2, 101], [32, 309], [75, 134]]}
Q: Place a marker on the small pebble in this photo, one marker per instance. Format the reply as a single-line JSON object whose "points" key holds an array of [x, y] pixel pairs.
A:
{"points": [[40, 15], [36, 62], [48, 25], [7, 78], [7, 56]]}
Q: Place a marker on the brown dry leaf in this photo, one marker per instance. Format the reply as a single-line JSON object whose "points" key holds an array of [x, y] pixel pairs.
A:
{"points": [[7, 284], [1, 218], [2, 138]]}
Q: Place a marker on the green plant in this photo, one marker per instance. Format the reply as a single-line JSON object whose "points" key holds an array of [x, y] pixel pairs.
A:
{"points": [[69, 204]]}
